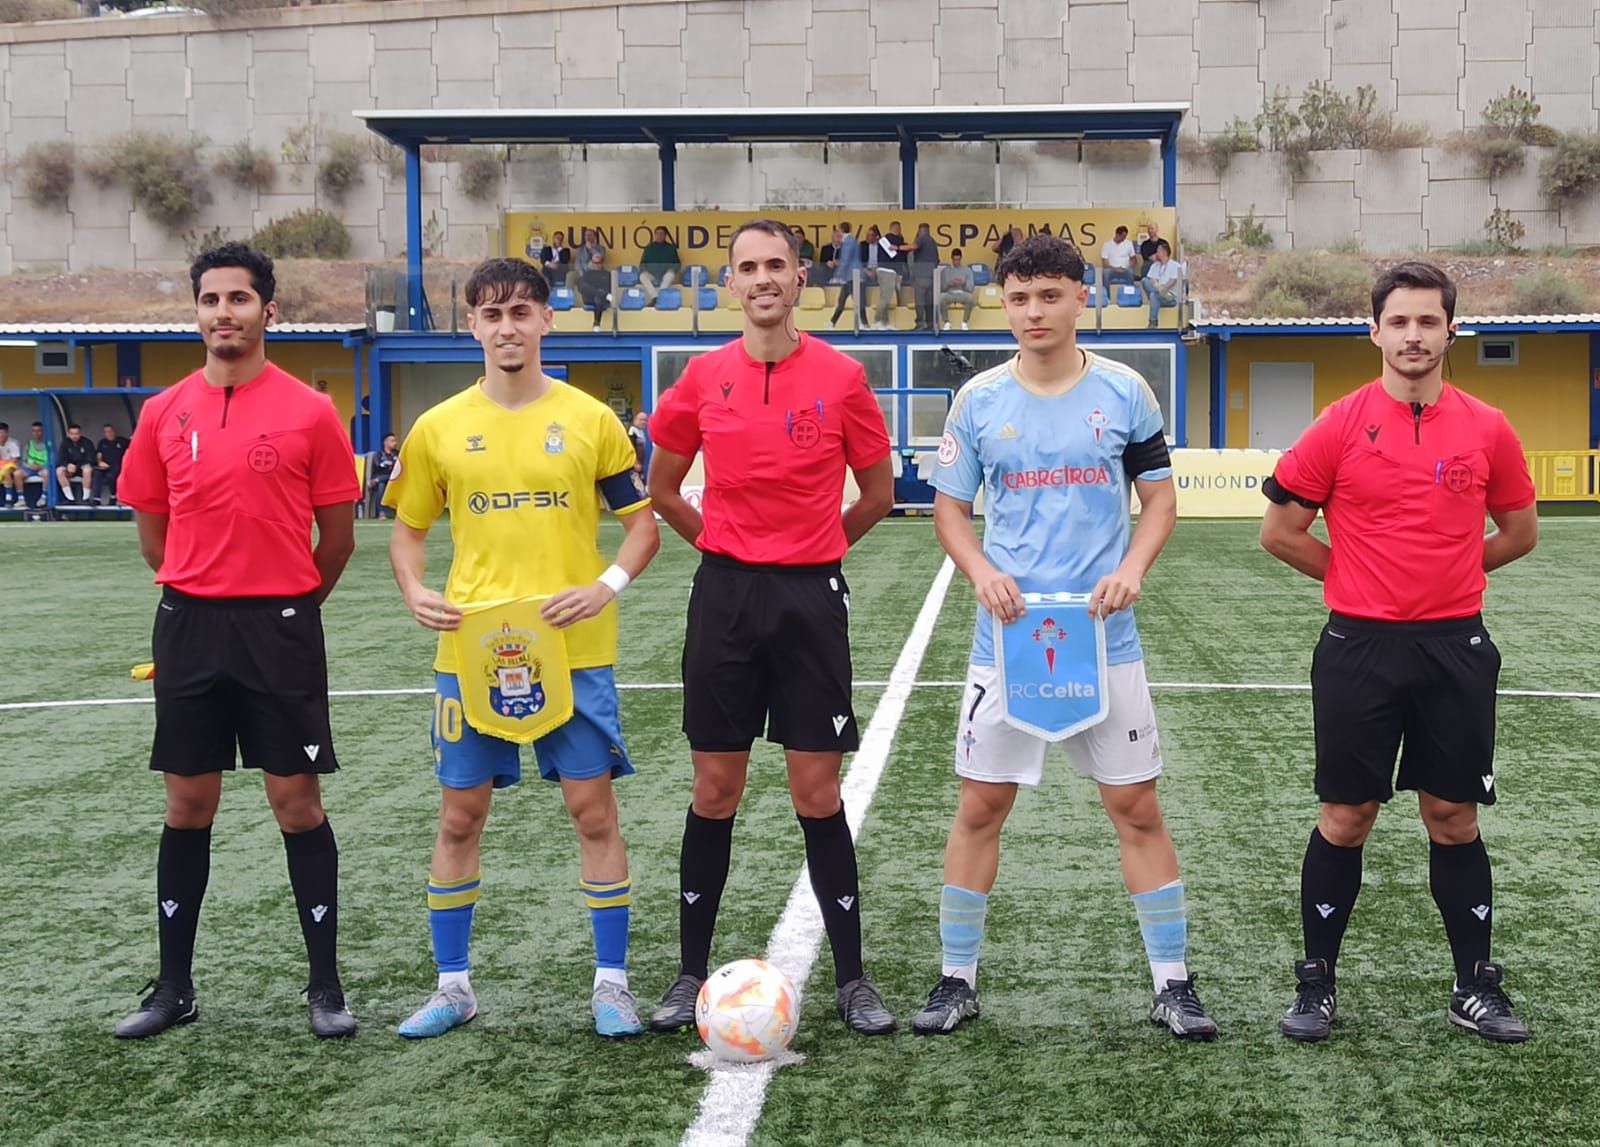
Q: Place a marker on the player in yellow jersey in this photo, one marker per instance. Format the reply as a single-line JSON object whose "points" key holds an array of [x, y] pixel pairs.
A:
{"points": [[525, 463]]}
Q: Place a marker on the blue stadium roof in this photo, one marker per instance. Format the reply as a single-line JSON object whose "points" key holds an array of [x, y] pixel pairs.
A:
{"points": [[740, 125]]}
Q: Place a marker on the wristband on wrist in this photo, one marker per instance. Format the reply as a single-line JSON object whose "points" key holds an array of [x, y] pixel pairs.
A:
{"points": [[616, 578]]}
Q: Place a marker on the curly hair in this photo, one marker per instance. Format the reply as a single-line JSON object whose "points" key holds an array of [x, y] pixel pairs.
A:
{"points": [[262, 280], [1041, 256]]}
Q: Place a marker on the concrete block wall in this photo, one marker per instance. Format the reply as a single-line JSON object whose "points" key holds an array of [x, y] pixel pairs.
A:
{"points": [[264, 76]]}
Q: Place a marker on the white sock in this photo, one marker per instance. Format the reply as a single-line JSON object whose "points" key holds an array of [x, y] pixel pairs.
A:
{"points": [[617, 976], [454, 980], [967, 972], [1164, 970]]}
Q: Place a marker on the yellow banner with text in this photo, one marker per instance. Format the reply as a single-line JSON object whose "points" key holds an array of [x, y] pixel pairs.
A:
{"points": [[1221, 483], [702, 237]]}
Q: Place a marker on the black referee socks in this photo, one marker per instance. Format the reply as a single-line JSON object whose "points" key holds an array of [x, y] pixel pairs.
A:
{"points": [[183, 867], [1330, 880], [314, 876], [1463, 888], [702, 874], [831, 859]]}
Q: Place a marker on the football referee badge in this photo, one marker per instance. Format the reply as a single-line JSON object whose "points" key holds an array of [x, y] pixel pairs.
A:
{"points": [[512, 666], [1052, 663]]}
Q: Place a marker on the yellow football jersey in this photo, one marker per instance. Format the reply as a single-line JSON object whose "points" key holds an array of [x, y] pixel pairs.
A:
{"points": [[524, 492]]}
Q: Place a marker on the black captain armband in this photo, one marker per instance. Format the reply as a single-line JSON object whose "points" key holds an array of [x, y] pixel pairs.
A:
{"points": [[622, 490], [1142, 457], [1276, 493]]}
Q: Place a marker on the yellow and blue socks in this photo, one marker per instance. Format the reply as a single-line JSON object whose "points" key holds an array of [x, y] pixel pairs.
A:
{"points": [[961, 914], [608, 902], [450, 906], [1165, 928]]}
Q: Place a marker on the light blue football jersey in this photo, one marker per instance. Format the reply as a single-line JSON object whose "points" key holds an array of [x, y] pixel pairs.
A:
{"points": [[1055, 495]]}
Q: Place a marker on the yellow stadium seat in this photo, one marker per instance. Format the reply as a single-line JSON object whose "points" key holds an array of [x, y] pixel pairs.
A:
{"points": [[813, 299], [727, 300], [990, 296], [578, 321]]}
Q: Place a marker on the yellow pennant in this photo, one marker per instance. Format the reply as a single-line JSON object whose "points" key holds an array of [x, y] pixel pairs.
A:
{"points": [[512, 665]]}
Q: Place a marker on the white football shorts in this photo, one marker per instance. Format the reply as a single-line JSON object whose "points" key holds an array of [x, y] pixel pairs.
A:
{"points": [[1124, 749]]}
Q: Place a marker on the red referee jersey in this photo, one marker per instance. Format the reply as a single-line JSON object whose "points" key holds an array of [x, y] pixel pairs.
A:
{"points": [[240, 470], [776, 438], [1404, 491]]}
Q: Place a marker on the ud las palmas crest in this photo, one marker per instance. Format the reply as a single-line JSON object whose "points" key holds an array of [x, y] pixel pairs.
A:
{"points": [[1052, 663], [515, 680]]}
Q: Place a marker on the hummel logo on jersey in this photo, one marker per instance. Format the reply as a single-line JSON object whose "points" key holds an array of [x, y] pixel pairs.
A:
{"points": [[169, 907], [846, 901], [839, 724], [311, 751], [1488, 781], [475, 444], [319, 912], [1325, 910], [1007, 433], [691, 897], [1481, 911], [1372, 432]]}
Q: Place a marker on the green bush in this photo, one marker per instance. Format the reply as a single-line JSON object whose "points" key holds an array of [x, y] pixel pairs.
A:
{"points": [[308, 234], [1504, 232], [47, 173], [479, 172], [1324, 285], [1548, 291], [1245, 233], [247, 167], [1574, 170], [342, 168], [1492, 155], [1511, 116], [163, 175], [1220, 149]]}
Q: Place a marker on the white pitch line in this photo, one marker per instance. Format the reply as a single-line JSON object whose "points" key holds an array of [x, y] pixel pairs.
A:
{"points": [[626, 686], [732, 1101]]}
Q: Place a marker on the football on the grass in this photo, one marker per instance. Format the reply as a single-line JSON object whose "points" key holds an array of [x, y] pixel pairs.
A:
{"points": [[747, 1011]]}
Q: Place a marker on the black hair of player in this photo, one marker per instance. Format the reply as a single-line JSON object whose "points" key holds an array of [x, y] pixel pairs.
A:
{"points": [[1419, 276], [1041, 257], [496, 281], [262, 280], [767, 227]]}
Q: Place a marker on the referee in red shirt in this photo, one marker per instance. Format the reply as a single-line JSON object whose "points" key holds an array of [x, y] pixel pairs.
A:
{"points": [[227, 471], [1403, 471], [778, 416]]}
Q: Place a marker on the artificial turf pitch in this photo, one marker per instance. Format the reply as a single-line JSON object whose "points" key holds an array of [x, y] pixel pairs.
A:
{"points": [[1062, 1052]]}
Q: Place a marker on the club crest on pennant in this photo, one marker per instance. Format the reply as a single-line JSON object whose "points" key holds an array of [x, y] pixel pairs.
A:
{"points": [[1053, 674], [516, 688]]}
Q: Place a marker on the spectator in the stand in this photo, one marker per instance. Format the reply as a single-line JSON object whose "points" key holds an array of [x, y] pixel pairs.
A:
{"points": [[891, 256], [583, 258], [808, 253], [639, 435], [108, 463], [556, 261], [383, 464], [595, 287], [36, 461], [846, 262], [10, 466], [1147, 249], [1162, 282], [822, 270], [957, 288], [1117, 253], [924, 262], [75, 463], [1002, 246], [659, 265]]}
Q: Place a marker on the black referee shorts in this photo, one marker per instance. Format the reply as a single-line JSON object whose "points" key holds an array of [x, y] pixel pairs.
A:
{"points": [[1428, 686], [768, 647], [246, 675]]}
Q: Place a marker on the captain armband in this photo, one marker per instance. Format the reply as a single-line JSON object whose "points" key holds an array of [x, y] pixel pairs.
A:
{"points": [[1278, 494], [1143, 457]]}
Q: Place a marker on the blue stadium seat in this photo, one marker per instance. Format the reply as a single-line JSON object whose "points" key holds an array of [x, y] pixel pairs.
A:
{"points": [[708, 298], [1088, 274], [981, 275], [632, 299], [1094, 297], [627, 275], [695, 275], [562, 299], [1129, 296], [722, 275], [669, 299]]}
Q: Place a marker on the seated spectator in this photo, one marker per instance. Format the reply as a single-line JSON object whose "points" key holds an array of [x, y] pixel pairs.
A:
{"points": [[822, 270], [594, 286], [556, 261], [10, 466], [584, 256], [383, 464], [1116, 254], [1162, 281], [75, 463], [1147, 249], [808, 253], [35, 461], [108, 463], [957, 289], [659, 265]]}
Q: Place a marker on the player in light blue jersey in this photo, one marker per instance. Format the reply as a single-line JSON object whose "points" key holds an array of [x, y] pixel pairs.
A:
{"points": [[1054, 440]]}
